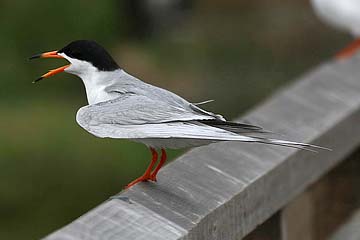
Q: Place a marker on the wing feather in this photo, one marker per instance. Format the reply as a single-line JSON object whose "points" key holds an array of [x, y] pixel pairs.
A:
{"points": [[134, 109]]}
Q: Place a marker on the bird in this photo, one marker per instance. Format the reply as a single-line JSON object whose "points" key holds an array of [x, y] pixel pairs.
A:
{"points": [[122, 106], [343, 15]]}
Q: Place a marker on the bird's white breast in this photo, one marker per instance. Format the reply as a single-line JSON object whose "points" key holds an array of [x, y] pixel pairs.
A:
{"points": [[95, 87], [97, 95]]}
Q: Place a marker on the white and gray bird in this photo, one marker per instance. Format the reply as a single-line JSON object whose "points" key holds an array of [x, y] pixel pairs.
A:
{"points": [[343, 15], [122, 106]]}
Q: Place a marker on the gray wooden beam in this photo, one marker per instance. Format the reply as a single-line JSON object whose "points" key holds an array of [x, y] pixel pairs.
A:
{"points": [[225, 190]]}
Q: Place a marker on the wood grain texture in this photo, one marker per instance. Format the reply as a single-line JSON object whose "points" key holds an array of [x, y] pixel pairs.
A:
{"points": [[224, 190]]}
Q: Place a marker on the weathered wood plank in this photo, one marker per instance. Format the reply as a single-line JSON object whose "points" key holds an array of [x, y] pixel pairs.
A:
{"points": [[223, 191]]}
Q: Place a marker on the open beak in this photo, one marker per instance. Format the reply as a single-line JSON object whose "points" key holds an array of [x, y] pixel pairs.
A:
{"points": [[52, 54]]}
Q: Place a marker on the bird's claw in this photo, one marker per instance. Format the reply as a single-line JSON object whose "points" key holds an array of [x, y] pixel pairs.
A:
{"points": [[153, 178], [142, 179]]}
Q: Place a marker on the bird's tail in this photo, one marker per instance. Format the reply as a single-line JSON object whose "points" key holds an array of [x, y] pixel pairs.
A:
{"points": [[253, 133], [291, 144]]}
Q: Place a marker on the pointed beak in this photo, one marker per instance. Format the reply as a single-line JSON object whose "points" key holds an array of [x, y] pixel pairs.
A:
{"points": [[52, 54]]}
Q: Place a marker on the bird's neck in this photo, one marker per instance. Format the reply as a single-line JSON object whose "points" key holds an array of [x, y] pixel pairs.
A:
{"points": [[96, 83]]}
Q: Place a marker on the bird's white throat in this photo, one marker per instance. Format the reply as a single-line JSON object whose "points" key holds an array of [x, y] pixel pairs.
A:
{"points": [[95, 81]]}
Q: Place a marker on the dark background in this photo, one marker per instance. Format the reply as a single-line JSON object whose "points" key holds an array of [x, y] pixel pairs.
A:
{"points": [[236, 52]]}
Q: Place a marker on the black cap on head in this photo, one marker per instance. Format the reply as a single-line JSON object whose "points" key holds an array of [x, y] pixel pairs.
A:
{"points": [[92, 52]]}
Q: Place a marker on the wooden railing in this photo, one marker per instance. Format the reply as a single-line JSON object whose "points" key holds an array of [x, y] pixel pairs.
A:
{"points": [[229, 191]]}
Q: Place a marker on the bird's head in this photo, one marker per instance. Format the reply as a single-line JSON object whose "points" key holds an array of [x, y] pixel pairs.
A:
{"points": [[85, 57]]}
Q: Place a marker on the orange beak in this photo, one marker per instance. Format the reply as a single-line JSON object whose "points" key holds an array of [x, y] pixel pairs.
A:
{"points": [[52, 54]]}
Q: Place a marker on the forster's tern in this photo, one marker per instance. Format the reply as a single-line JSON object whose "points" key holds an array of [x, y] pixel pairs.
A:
{"points": [[344, 15], [122, 106]]}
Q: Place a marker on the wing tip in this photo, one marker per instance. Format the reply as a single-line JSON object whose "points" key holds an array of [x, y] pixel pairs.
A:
{"points": [[299, 145]]}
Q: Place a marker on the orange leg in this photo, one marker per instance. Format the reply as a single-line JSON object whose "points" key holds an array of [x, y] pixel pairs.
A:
{"points": [[146, 175], [161, 163], [349, 51]]}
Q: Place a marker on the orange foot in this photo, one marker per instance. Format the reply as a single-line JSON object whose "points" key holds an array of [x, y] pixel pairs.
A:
{"points": [[153, 177], [140, 179], [146, 175]]}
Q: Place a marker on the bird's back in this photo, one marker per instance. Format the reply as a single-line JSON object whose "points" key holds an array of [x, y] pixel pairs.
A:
{"points": [[126, 83]]}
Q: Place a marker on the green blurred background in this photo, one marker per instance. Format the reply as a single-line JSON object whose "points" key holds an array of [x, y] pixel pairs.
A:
{"points": [[236, 52]]}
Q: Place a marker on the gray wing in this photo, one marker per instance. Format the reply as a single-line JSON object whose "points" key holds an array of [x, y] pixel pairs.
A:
{"points": [[135, 109]]}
